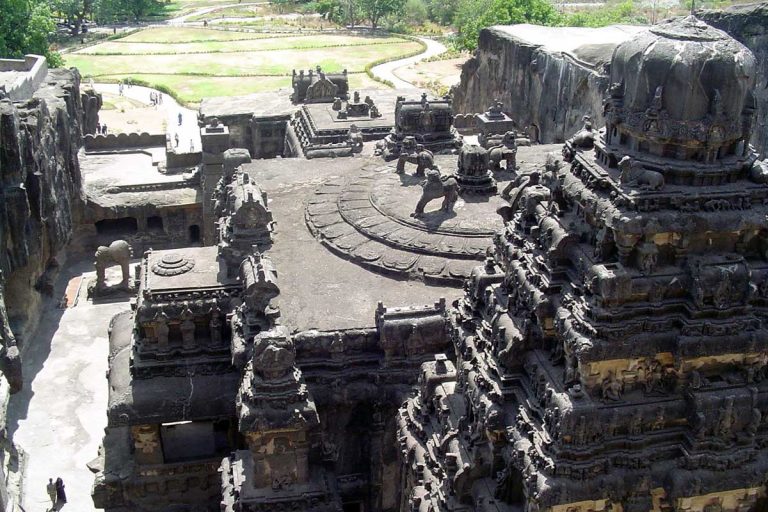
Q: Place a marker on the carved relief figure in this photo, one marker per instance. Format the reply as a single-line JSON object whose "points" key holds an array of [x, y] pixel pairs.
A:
{"points": [[612, 387]]}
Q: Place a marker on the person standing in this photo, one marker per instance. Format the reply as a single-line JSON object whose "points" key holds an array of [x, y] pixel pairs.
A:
{"points": [[61, 496], [51, 488], [179, 118]]}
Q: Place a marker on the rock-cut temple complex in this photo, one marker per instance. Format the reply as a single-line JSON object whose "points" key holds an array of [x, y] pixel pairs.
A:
{"points": [[343, 301]]}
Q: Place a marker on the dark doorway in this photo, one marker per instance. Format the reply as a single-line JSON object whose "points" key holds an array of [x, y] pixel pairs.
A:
{"points": [[121, 226], [155, 224], [194, 234], [352, 507]]}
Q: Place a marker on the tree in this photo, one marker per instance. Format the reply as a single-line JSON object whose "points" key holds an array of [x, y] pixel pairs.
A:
{"points": [[375, 10], [475, 15], [75, 11], [26, 27], [139, 8], [442, 11]]}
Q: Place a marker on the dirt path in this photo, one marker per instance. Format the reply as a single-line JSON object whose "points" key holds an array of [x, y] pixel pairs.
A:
{"points": [[386, 71], [187, 131]]}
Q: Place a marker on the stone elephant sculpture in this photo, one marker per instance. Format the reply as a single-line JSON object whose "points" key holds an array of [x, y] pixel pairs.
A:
{"points": [[435, 187], [759, 171], [506, 151], [118, 252], [423, 158]]}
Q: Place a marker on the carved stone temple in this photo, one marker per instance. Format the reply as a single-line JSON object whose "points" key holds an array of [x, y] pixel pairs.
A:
{"points": [[430, 325], [611, 355]]}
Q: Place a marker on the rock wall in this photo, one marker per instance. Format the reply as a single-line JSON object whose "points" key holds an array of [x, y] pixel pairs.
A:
{"points": [[40, 190], [748, 24], [41, 200], [547, 92], [549, 77]]}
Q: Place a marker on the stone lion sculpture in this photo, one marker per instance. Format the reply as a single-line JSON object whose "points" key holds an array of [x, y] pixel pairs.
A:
{"points": [[435, 187], [120, 253], [506, 151], [355, 138]]}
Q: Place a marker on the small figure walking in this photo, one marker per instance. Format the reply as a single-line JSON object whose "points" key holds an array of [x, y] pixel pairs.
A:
{"points": [[98, 128], [179, 118], [61, 496], [191, 145], [51, 488], [104, 129], [176, 138]]}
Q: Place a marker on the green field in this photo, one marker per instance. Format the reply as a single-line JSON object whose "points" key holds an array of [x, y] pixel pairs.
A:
{"points": [[198, 62]]}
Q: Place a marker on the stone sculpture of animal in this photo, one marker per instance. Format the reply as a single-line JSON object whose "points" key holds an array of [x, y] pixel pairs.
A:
{"points": [[423, 158], [120, 253], [585, 138], [506, 151], [435, 187], [633, 175], [759, 171]]}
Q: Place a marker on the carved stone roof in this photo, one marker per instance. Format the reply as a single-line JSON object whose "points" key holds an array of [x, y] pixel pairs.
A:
{"points": [[699, 68], [173, 264]]}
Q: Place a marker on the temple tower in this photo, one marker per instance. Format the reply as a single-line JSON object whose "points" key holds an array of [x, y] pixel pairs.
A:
{"points": [[612, 355]]}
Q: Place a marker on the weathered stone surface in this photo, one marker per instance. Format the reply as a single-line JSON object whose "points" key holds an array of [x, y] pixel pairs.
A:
{"points": [[41, 189], [748, 24], [546, 78]]}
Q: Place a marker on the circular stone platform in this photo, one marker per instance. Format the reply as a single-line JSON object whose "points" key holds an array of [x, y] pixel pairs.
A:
{"points": [[367, 219]]}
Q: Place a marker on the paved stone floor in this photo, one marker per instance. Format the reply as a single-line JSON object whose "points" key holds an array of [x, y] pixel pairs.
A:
{"points": [[58, 419]]}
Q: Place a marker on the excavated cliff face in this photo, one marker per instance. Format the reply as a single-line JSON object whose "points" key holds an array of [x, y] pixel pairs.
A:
{"points": [[40, 190], [547, 77], [748, 24], [40, 201]]}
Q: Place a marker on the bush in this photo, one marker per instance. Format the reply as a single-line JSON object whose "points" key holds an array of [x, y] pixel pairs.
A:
{"points": [[608, 14], [475, 15]]}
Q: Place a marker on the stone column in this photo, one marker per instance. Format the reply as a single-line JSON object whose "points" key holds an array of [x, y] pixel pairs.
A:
{"points": [[215, 140]]}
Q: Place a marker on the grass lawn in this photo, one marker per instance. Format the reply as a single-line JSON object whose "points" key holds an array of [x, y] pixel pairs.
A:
{"points": [[220, 66], [194, 88], [239, 11], [185, 34], [253, 44]]}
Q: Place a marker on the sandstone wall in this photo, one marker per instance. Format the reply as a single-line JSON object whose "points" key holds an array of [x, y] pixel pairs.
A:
{"points": [[749, 25]]}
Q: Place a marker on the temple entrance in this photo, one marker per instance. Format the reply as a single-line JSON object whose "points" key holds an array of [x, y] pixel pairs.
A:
{"points": [[116, 227], [194, 234], [155, 224], [352, 507]]}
